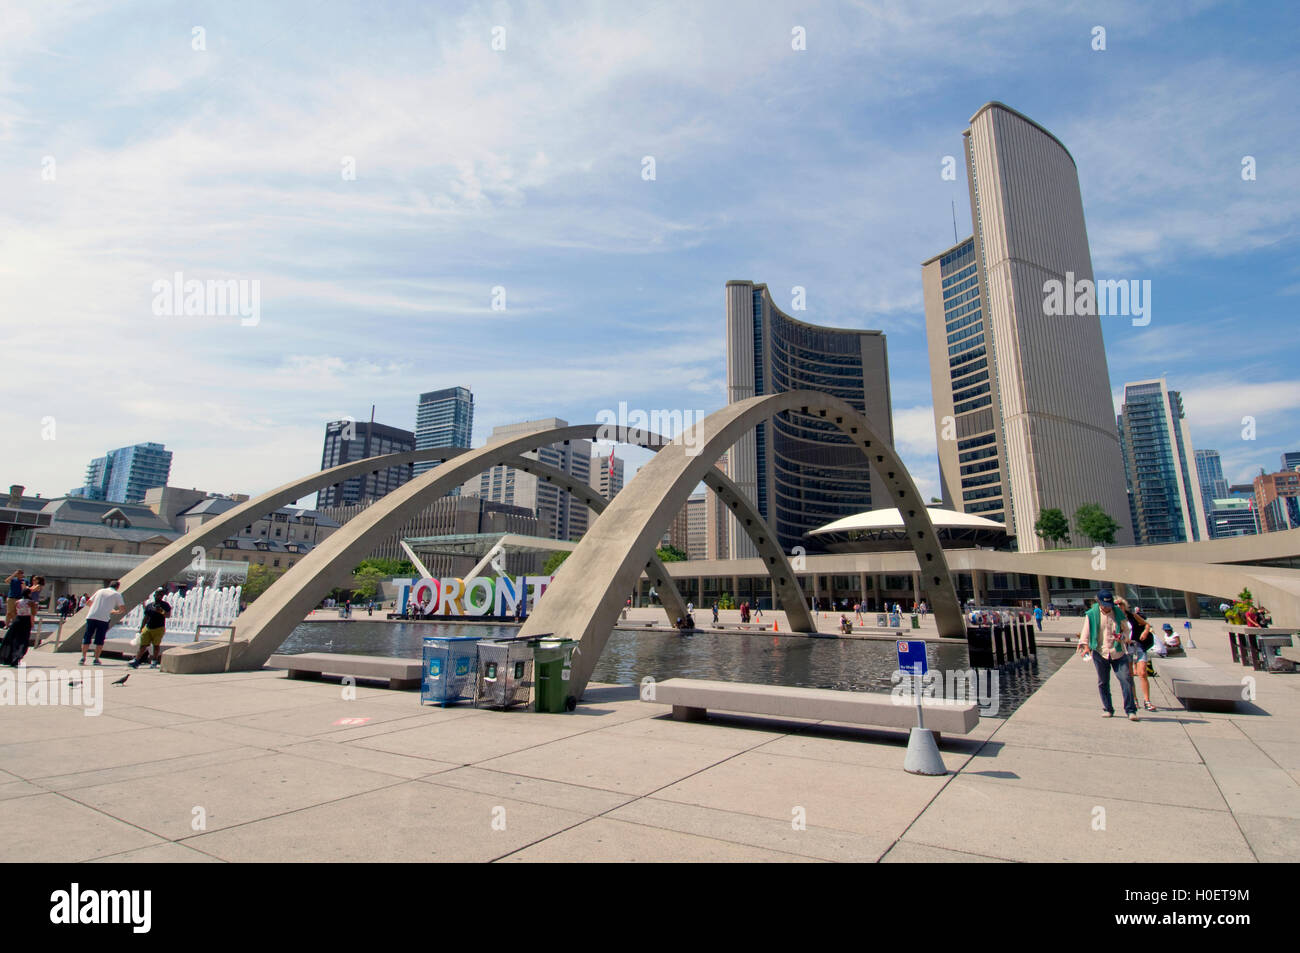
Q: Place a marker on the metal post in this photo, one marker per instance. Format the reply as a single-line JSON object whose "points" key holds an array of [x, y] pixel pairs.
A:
{"points": [[916, 682]]}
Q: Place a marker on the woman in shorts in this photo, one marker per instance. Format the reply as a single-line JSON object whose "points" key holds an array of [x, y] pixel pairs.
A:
{"points": [[1143, 640]]}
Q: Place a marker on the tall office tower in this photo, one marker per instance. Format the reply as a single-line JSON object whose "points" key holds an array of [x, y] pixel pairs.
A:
{"points": [[697, 526], [559, 514], [607, 475], [1167, 505], [1277, 501], [1291, 460], [1231, 516], [349, 440], [606, 478], [123, 475], [443, 418], [972, 456], [801, 472], [1052, 417], [678, 533], [717, 521], [1209, 471]]}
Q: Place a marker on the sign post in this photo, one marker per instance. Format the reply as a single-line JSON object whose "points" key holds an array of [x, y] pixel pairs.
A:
{"points": [[922, 751]]}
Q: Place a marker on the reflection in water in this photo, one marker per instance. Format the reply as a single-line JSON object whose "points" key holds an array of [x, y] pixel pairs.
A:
{"points": [[631, 655]]}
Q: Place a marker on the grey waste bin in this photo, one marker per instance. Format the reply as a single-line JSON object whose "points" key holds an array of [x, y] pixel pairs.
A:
{"points": [[449, 668], [505, 673]]}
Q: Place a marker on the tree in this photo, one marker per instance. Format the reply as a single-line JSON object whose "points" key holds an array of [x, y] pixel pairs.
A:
{"points": [[390, 568], [671, 554], [366, 583], [1095, 523], [1052, 526], [554, 561], [726, 602], [258, 581], [935, 499]]}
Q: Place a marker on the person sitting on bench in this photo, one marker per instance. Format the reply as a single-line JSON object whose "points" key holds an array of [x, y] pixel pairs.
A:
{"points": [[845, 626]]}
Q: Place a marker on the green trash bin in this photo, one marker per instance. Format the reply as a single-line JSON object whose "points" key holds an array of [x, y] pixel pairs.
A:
{"points": [[552, 659], [916, 621]]}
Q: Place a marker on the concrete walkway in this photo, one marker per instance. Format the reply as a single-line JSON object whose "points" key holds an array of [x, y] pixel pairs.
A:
{"points": [[253, 766]]}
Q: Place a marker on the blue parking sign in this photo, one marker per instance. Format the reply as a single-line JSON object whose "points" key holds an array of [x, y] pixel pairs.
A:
{"points": [[910, 655]]}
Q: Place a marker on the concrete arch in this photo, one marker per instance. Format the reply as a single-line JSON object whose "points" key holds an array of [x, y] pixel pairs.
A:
{"points": [[138, 583], [778, 566], [610, 556], [266, 624], [164, 564], [671, 597]]}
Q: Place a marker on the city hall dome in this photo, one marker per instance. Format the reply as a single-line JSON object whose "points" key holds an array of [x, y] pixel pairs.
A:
{"points": [[882, 530]]}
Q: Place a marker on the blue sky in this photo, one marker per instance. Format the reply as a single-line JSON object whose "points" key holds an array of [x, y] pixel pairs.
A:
{"points": [[522, 168]]}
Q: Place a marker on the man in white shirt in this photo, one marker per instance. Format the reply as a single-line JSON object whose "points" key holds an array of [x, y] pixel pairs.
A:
{"points": [[105, 605]]}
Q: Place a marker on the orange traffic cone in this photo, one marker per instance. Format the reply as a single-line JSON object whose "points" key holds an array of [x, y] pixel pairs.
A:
{"points": [[775, 627]]}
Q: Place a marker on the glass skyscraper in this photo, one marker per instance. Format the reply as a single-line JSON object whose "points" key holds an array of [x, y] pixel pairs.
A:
{"points": [[123, 475], [1165, 499], [1209, 471], [962, 361], [801, 472], [443, 418]]}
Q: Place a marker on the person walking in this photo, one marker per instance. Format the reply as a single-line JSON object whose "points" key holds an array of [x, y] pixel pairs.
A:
{"points": [[758, 612], [105, 605], [1104, 638], [715, 612], [152, 629], [1038, 617], [1143, 641]]}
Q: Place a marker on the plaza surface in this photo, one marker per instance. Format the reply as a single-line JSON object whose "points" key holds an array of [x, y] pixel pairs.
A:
{"points": [[254, 766]]}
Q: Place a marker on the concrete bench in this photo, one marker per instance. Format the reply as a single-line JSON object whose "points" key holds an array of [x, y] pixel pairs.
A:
{"points": [[402, 673], [1194, 681], [692, 698]]}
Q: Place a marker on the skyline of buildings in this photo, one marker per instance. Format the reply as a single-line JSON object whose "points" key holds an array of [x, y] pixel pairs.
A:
{"points": [[1047, 428], [1011, 439], [559, 514]]}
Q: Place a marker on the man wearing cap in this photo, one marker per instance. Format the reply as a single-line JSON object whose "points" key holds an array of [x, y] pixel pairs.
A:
{"points": [[152, 629], [1106, 634]]}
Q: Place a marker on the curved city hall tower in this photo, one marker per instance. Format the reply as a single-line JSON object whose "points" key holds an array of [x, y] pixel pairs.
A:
{"points": [[801, 472], [1033, 423]]}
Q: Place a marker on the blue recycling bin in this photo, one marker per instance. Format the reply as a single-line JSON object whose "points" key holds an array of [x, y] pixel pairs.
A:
{"points": [[450, 670]]}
